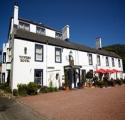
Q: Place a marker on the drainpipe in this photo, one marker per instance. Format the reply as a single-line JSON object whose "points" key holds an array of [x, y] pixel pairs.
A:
{"points": [[46, 60], [78, 56]]}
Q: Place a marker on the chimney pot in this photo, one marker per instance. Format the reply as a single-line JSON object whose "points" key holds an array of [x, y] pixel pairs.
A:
{"points": [[65, 33], [98, 43], [15, 16]]}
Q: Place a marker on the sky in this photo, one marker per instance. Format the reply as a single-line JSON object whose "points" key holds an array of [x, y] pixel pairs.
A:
{"points": [[87, 19]]}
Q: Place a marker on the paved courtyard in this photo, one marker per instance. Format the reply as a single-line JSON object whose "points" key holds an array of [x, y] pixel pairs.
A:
{"points": [[82, 104], [12, 110]]}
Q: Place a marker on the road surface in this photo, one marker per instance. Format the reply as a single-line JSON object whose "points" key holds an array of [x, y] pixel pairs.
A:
{"points": [[12, 110], [83, 104]]}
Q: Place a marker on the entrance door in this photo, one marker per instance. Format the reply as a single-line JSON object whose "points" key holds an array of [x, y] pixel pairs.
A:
{"points": [[72, 77], [8, 77], [3, 77], [38, 76], [76, 77], [83, 76]]}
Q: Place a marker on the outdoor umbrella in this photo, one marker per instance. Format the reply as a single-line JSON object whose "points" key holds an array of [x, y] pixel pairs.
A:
{"points": [[109, 71], [100, 71]]}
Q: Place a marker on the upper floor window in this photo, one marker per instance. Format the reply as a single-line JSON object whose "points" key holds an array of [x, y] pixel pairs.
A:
{"points": [[9, 54], [24, 26], [38, 52], [4, 57], [40, 30], [113, 62], [71, 59], [90, 59], [119, 63], [58, 55], [0, 56], [58, 35], [98, 60], [107, 61], [25, 50]]}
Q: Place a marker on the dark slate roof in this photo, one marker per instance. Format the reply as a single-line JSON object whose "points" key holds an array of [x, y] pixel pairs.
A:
{"points": [[39, 24], [34, 37]]}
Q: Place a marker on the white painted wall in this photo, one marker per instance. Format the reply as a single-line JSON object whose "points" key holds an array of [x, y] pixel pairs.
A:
{"points": [[50, 33], [33, 28], [23, 72]]}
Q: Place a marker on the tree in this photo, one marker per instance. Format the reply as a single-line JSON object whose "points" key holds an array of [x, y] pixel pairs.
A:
{"points": [[89, 76]]}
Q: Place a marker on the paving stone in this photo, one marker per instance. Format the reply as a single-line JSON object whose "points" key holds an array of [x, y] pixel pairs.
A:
{"points": [[82, 104], [12, 110]]}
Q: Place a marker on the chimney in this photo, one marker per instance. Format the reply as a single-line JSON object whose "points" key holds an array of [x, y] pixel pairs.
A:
{"points": [[65, 32], [98, 43], [15, 16]]}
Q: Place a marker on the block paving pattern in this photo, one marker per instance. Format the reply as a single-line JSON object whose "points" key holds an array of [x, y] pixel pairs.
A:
{"points": [[81, 104]]}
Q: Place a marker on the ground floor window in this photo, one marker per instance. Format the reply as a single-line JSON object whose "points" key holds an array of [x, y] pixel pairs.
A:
{"points": [[38, 76], [3, 78], [83, 75], [0, 78]]}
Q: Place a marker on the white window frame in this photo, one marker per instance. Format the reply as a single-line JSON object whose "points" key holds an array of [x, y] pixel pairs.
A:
{"points": [[24, 26], [58, 35], [37, 53], [107, 61], [113, 62], [40, 30], [59, 51], [98, 60], [119, 63], [90, 59]]}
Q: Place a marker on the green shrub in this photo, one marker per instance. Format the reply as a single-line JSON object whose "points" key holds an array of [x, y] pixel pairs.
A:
{"points": [[106, 83], [111, 83], [15, 92], [119, 82], [80, 84], [44, 89], [123, 81], [55, 89], [51, 84], [95, 79], [89, 74], [32, 88], [50, 89], [22, 89], [100, 84], [8, 89], [5, 87]]}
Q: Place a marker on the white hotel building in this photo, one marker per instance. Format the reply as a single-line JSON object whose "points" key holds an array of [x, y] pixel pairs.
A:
{"points": [[37, 53]]}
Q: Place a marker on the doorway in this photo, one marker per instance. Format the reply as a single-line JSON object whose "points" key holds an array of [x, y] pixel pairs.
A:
{"points": [[72, 76]]}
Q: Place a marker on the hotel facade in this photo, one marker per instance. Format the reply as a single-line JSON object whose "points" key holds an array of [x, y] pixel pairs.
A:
{"points": [[38, 53]]}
